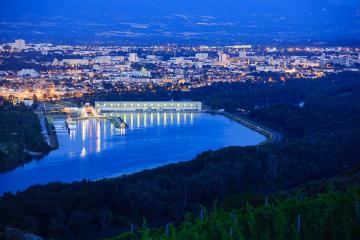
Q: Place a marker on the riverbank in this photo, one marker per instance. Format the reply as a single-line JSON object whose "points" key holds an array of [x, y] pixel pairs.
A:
{"points": [[21, 138], [14, 233], [149, 142], [51, 132], [271, 135]]}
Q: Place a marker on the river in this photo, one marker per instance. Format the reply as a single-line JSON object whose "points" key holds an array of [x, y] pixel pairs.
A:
{"points": [[96, 149]]}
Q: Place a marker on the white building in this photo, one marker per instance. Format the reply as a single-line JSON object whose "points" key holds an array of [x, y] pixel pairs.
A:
{"points": [[103, 60], [28, 72], [151, 57], [198, 64], [245, 46], [223, 57], [133, 57], [179, 60], [76, 61], [133, 106], [201, 56], [118, 58], [242, 54], [19, 44]]}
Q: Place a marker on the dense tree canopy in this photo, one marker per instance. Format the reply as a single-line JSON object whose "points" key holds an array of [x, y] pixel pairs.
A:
{"points": [[20, 133], [329, 215]]}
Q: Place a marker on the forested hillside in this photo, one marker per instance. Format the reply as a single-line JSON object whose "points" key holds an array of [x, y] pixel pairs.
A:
{"points": [[321, 140], [20, 134], [329, 215]]}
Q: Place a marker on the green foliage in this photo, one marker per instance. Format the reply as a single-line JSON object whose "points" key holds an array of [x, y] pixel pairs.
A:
{"points": [[325, 216]]}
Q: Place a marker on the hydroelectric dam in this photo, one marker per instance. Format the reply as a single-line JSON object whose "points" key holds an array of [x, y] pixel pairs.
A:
{"points": [[141, 106]]}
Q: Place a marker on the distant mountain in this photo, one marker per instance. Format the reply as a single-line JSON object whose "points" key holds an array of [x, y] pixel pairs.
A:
{"points": [[202, 21]]}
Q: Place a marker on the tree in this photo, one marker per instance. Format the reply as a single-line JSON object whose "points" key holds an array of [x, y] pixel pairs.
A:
{"points": [[105, 217]]}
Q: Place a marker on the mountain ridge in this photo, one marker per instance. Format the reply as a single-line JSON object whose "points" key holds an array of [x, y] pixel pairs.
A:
{"points": [[172, 20]]}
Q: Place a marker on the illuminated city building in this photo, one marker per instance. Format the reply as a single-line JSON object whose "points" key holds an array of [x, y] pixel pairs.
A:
{"points": [[19, 44], [133, 57]]}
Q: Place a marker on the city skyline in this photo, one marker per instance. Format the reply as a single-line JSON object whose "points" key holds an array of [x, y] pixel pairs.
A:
{"points": [[65, 71]]}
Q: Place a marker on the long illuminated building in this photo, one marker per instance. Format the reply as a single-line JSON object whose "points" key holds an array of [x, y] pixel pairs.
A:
{"points": [[140, 106]]}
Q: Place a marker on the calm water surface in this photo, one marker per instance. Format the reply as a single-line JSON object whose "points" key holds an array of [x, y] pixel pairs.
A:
{"points": [[96, 149]]}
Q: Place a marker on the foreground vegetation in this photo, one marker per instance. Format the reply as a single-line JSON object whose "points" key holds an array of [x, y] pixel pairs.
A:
{"points": [[20, 135], [321, 140], [329, 215]]}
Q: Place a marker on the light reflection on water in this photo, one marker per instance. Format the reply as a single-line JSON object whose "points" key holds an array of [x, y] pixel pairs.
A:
{"points": [[137, 121], [96, 149]]}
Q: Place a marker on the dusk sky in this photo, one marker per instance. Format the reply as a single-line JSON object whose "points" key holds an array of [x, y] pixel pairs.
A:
{"points": [[171, 20]]}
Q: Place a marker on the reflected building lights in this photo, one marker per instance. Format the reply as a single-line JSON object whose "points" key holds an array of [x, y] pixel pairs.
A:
{"points": [[145, 119], [72, 135], [158, 119], [138, 120], [111, 129], [131, 120], [94, 132], [83, 152], [98, 130], [104, 131], [165, 119], [98, 136], [83, 130], [91, 139], [171, 118], [178, 118], [90, 130]]}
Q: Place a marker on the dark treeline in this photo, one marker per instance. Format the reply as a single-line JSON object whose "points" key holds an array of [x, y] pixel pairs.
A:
{"points": [[321, 140], [20, 134], [28, 59]]}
